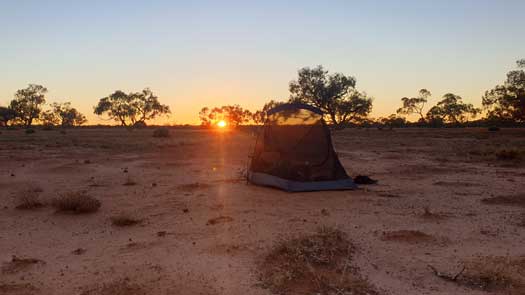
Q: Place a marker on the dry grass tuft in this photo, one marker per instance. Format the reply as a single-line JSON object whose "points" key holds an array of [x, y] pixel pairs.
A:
{"points": [[220, 219], [29, 200], [119, 287], [319, 263], [522, 221], [17, 289], [18, 264], [76, 202], [161, 133], [429, 215], [193, 186], [129, 182], [508, 155], [407, 236], [514, 200], [124, 219], [503, 275]]}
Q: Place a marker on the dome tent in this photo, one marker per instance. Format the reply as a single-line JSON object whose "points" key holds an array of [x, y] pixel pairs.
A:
{"points": [[294, 152]]}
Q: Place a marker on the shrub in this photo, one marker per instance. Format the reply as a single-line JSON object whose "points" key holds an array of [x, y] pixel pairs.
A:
{"points": [[161, 132], [76, 202], [29, 200], [124, 220], [129, 182], [319, 263], [140, 124], [508, 155]]}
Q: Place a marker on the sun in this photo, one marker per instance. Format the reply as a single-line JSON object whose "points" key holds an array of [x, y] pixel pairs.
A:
{"points": [[221, 124]]}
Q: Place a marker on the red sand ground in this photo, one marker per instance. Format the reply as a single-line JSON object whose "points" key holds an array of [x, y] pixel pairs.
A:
{"points": [[204, 229]]}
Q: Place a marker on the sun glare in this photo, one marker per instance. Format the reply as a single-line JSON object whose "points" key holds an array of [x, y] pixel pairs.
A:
{"points": [[221, 124]]}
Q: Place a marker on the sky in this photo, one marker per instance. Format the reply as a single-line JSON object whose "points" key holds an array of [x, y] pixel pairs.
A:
{"points": [[212, 53]]}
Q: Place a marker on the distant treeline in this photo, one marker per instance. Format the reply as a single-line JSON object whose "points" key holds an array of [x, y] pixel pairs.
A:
{"points": [[335, 94], [344, 106]]}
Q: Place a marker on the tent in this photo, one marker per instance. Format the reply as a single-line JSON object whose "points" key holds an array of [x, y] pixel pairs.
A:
{"points": [[294, 152]]}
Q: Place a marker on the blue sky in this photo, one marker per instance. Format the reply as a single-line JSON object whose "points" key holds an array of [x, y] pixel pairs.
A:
{"points": [[211, 53]]}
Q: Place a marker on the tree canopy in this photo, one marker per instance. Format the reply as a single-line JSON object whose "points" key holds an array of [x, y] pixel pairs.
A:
{"points": [[28, 103], [507, 102], [260, 116], [131, 109], [233, 115], [64, 115], [415, 105], [452, 109], [6, 115], [334, 94]]}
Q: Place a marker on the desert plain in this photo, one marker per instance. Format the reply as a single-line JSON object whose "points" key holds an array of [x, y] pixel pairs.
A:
{"points": [[175, 215]]}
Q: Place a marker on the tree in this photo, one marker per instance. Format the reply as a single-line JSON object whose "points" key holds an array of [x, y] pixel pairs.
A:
{"points": [[28, 103], [131, 109], [521, 63], [49, 118], [260, 116], [148, 106], [452, 109], [118, 106], [232, 114], [6, 115], [415, 105], [67, 116], [393, 121], [204, 116], [507, 102], [334, 94]]}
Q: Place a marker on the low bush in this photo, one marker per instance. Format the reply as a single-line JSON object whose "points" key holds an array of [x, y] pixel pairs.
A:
{"points": [[161, 132], [124, 220], [76, 202]]}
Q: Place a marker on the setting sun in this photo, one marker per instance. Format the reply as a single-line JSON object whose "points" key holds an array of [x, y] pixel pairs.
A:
{"points": [[221, 124]]}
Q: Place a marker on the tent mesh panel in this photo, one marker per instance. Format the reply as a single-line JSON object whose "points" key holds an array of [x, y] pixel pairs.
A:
{"points": [[295, 144]]}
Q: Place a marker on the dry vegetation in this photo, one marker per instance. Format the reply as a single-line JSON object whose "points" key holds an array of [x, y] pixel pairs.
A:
{"points": [[119, 287], [76, 202], [218, 220], [445, 189], [129, 181], [429, 215], [18, 264], [124, 219], [407, 236], [193, 186], [320, 263], [29, 200], [501, 275], [514, 200], [161, 132]]}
